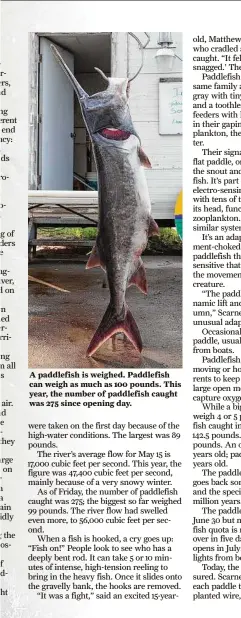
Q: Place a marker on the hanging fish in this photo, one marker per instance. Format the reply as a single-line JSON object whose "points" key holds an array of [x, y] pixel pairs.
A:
{"points": [[125, 220]]}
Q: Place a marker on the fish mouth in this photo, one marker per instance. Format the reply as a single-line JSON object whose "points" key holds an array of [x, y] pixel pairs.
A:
{"points": [[114, 134]]}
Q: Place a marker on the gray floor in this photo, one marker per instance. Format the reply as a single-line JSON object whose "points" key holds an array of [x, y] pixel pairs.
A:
{"points": [[61, 325]]}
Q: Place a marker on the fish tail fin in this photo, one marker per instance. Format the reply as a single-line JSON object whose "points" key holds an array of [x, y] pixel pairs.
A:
{"points": [[112, 324]]}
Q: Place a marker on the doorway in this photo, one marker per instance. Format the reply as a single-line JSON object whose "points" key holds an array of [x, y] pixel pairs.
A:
{"points": [[65, 157]]}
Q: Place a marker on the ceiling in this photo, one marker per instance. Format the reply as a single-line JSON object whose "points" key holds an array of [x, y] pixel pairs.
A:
{"points": [[89, 49]]}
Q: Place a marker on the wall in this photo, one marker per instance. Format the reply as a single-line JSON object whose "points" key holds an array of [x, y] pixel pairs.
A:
{"points": [[33, 110], [164, 152]]}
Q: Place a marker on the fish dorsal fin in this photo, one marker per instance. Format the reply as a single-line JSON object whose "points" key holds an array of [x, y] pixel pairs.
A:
{"points": [[144, 159]]}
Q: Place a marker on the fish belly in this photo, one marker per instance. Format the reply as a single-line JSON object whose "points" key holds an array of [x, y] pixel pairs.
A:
{"points": [[142, 213], [124, 213]]}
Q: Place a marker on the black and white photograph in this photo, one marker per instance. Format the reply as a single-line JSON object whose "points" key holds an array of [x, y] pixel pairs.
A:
{"points": [[105, 199]]}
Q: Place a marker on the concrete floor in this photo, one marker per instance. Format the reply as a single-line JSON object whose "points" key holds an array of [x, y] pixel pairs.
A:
{"points": [[62, 324]]}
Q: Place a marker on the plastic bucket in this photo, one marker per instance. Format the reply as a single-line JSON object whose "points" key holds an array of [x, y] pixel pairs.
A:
{"points": [[91, 178]]}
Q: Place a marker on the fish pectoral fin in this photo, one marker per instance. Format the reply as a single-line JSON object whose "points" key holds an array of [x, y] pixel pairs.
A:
{"points": [[112, 324], [153, 228], [94, 259], [139, 278], [144, 159]]}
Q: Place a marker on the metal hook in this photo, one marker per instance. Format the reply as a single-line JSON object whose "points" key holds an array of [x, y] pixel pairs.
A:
{"points": [[142, 47]]}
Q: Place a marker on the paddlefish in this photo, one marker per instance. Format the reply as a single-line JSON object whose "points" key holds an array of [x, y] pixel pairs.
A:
{"points": [[125, 220]]}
